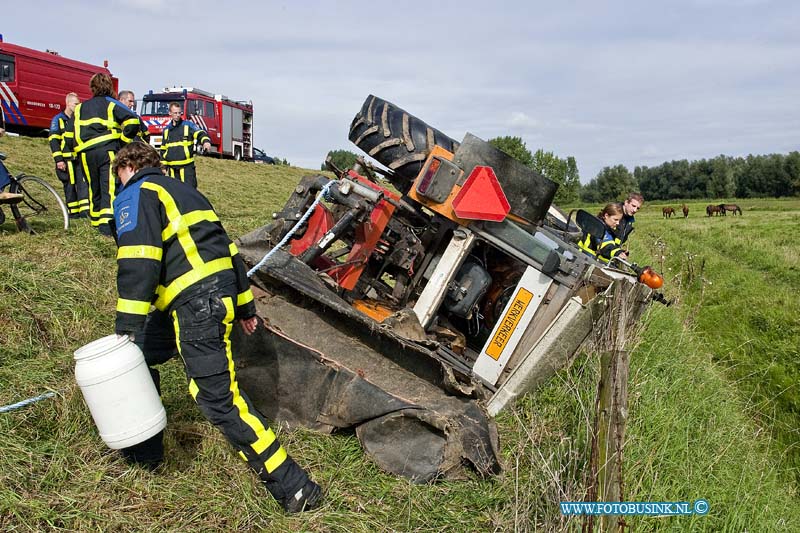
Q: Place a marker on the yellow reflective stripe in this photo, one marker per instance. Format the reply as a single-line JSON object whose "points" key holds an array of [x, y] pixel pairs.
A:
{"points": [[108, 122], [54, 136], [178, 143], [165, 295], [585, 245], [140, 252], [112, 180], [193, 388], [244, 298], [179, 225], [234, 250], [133, 307], [185, 143], [182, 222], [95, 120], [276, 460], [178, 163], [81, 145], [264, 435], [124, 138], [186, 147]]}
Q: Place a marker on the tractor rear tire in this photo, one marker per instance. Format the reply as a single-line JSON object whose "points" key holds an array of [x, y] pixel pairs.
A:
{"points": [[396, 139]]}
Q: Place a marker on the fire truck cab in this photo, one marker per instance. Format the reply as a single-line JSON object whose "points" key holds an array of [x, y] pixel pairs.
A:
{"points": [[34, 84], [229, 123]]}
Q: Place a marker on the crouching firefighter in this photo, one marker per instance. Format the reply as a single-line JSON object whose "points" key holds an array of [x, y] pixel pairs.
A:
{"points": [[174, 253], [604, 246]]}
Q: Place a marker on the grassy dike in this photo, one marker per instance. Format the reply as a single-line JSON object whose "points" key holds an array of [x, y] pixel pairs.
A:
{"points": [[711, 396]]}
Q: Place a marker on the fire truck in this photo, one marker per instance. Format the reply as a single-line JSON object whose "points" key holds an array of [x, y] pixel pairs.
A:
{"points": [[33, 85], [229, 123]]}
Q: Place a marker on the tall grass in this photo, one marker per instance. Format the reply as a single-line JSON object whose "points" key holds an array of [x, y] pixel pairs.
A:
{"points": [[710, 409]]}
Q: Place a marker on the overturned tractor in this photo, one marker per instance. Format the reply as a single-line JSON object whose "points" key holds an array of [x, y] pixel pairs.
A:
{"points": [[415, 303]]}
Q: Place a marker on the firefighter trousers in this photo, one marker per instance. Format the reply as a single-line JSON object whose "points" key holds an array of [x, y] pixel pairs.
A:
{"points": [[96, 163], [185, 173], [76, 190], [199, 330]]}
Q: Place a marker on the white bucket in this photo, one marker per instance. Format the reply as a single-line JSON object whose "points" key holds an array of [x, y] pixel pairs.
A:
{"points": [[119, 391]]}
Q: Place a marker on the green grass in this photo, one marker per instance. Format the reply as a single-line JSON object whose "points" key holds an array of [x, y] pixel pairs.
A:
{"points": [[713, 395]]}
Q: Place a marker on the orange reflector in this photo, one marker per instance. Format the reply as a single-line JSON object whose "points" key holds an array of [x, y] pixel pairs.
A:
{"points": [[481, 197], [651, 278]]}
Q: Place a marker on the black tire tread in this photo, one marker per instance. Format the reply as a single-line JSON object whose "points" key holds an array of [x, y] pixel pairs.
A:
{"points": [[396, 139]]}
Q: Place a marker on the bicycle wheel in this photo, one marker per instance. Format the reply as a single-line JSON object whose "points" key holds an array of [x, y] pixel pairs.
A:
{"points": [[42, 207]]}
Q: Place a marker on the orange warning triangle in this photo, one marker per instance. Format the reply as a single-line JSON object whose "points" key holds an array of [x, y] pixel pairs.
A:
{"points": [[481, 197]]}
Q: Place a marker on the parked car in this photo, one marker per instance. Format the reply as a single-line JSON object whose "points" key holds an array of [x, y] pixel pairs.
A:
{"points": [[260, 157]]}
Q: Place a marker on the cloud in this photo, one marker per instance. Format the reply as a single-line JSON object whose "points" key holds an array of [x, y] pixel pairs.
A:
{"points": [[151, 6], [518, 119]]}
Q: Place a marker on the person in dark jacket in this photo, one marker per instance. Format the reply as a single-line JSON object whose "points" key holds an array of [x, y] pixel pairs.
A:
{"points": [[128, 99], [62, 146], [174, 254], [605, 247], [630, 207], [177, 145], [102, 126]]}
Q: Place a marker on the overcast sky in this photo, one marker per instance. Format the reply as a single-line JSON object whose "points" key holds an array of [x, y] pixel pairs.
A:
{"points": [[618, 82]]}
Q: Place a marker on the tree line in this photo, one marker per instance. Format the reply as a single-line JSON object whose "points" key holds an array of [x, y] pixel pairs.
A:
{"points": [[754, 176]]}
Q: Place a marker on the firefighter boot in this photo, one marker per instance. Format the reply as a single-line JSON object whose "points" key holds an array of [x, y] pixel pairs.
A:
{"points": [[291, 487], [148, 454], [305, 499]]}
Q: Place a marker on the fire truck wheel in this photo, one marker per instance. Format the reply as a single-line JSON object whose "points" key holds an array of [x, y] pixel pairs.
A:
{"points": [[237, 154], [396, 139]]}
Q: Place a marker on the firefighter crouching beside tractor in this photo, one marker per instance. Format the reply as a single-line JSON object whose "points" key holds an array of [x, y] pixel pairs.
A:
{"points": [[194, 313]]}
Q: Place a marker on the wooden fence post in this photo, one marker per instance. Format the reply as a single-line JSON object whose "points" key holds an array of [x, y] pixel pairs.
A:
{"points": [[611, 405]]}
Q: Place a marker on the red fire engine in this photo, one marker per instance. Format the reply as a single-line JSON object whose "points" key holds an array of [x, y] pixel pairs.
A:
{"points": [[229, 123], [33, 85]]}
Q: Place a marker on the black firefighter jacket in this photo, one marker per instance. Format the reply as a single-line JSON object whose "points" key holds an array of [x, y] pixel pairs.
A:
{"points": [[103, 120], [177, 146], [170, 239]]}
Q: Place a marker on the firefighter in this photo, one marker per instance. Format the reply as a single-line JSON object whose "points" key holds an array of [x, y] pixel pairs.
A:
{"points": [[177, 146], [102, 125], [128, 99], [62, 143], [174, 253], [631, 205], [605, 247]]}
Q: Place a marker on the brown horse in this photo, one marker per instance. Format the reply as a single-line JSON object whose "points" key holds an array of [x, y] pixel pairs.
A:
{"points": [[732, 207], [685, 211], [667, 212], [713, 209]]}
